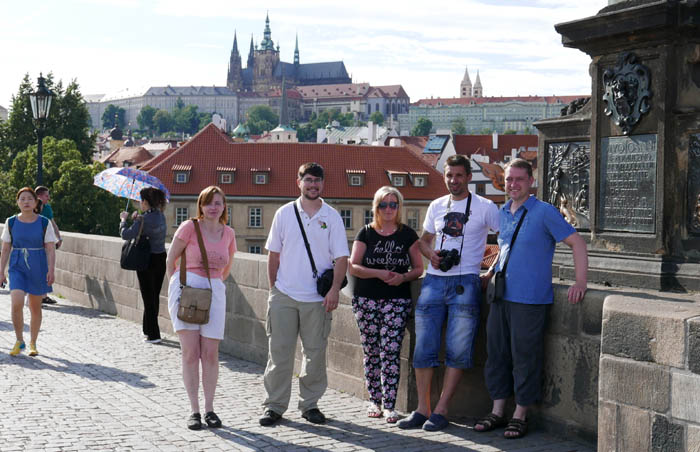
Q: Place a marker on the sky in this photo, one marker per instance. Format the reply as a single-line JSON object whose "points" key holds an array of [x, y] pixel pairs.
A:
{"points": [[110, 46]]}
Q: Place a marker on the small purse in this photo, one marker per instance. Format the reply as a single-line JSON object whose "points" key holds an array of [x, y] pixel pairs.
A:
{"points": [[496, 288], [136, 253], [194, 303], [325, 281]]}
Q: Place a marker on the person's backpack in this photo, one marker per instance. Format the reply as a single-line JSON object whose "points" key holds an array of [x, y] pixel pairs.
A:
{"points": [[11, 222]]}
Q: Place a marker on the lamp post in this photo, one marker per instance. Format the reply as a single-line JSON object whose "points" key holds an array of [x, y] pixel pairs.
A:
{"points": [[41, 104]]}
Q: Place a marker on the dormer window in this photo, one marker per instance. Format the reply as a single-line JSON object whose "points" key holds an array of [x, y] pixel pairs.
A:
{"points": [[261, 176], [225, 174], [182, 173], [398, 180], [419, 181], [356, 178]]}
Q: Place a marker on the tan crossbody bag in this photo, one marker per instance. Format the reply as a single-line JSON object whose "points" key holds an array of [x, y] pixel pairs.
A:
{"points": [[194, 303]]}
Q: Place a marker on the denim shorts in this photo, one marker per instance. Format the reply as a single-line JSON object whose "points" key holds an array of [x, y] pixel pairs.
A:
{"points": [[438, 299]]}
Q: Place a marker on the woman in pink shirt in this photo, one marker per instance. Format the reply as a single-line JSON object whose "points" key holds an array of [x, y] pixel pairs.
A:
{"points": [[201, 342]]}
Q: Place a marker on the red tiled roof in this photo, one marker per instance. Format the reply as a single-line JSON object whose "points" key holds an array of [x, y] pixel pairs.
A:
{"points": [[209, 149], [416, 145], [157, 159], [136, 156], [494, 172], [392, 90], [490, 254], [291, 93], [344, 90], [487, 100]]}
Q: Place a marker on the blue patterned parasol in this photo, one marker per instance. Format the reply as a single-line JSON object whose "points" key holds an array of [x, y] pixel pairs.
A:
{"points": [[128, 182]]}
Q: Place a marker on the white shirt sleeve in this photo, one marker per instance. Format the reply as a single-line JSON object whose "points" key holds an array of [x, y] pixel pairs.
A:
{"points": [[50, 235], [429, 222], [274, 239], [492, 217], [6, 233], [339, 241]]}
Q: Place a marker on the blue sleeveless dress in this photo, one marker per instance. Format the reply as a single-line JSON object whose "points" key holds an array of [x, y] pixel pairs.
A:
{"points": [[28, 263]]}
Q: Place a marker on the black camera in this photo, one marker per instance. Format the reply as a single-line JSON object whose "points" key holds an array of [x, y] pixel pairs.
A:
{"points": [[448, 259]]}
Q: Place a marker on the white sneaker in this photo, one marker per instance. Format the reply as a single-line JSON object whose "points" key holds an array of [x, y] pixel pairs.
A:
{"points": [[153, 341]]}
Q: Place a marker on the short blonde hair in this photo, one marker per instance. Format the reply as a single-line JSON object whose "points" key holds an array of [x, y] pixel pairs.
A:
{"points": [[205, 197], [380, 194]]}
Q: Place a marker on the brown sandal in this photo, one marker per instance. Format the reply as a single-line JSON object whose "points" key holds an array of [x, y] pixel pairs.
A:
{"points": [[490, 422], [518, 426]]}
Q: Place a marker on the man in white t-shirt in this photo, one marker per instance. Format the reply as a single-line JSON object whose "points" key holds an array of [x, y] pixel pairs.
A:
{"points": [[454, 240], [295, 308]]}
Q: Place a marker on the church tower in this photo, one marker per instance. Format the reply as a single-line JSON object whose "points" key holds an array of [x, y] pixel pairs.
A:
{"points": [[478, 90], [234, 80], [465, 88], [251, 54], [266, 60]]}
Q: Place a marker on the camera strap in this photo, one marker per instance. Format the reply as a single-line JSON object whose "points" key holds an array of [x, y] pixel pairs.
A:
{"points": [[512, 240], [466, 220], [306, 241]]}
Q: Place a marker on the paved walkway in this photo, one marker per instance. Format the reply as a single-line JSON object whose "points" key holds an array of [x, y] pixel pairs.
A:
{"points": [[97, 386]]}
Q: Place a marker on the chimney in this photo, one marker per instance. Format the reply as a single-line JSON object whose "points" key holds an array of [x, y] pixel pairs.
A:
{"points": [[513, 154], [372, 129], [494, 138]]}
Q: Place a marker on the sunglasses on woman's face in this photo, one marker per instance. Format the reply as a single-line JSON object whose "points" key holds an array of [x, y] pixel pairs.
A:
{"points": [[383, 205]]}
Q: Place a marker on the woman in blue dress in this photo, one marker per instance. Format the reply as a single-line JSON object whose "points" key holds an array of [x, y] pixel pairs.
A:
{"points": [[30, 248]]}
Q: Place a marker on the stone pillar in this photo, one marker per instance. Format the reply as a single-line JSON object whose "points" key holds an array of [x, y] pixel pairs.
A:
{"points": [[625, 168]]}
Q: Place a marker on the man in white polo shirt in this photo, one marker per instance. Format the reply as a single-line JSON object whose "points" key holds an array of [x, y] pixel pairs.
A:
{"points": [[295, 308]]}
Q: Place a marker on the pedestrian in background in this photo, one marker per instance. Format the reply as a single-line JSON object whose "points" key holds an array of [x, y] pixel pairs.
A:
{"points": [[150, 279], [200, 343], [42, 193], [29, 245], [385, 258]]}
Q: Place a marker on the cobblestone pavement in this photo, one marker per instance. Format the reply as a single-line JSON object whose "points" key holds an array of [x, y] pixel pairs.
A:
{"points": [[97, 386]]}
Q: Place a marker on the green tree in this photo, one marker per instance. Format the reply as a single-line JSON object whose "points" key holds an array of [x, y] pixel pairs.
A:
{"points": [[486, 131], [377, 117], [261, 118], [459, 127], [145, 118], [55, 151], [204, 119], [510, 132], [68, 118], [79, 205], [422, 128], [109, 115], [162, 121], [8, 206], [186, 119]]}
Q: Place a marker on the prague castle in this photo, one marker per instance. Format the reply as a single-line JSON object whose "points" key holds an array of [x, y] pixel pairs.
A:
{"points": [[264, 71]]}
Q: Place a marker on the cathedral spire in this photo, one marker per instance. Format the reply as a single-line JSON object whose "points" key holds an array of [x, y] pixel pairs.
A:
{"points": [[478, 89], [251, 53], [267, 43], [296, 50], [234, 49], [465, 88], [234, 78]]}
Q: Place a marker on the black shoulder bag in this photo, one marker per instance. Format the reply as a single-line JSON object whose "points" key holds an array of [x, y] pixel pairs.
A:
{"points": [[497, 284], [136, 253], [325, 281]]}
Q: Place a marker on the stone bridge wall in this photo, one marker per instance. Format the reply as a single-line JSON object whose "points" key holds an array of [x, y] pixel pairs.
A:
{"points": [[88, 273]]}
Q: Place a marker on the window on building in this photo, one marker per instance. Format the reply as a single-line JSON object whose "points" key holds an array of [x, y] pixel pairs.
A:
{"points": [[261, 178], [226, 178], [181, 214], [181, 178], [228, 216], [255, 249], [398, 181], [254, 217], [369, 216], [346, 215], [481, 188], [412, 218], [356, 180], [419, 181]]}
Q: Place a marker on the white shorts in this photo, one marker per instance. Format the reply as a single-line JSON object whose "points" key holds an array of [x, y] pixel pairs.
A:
{"points": [[217, 313]]}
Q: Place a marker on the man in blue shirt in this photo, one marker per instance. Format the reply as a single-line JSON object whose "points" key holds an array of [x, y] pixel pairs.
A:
{"points": [[515, 326], [42, 193]]}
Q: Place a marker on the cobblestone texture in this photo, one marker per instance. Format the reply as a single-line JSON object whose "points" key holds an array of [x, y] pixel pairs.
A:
{"points": [[97, 386]]}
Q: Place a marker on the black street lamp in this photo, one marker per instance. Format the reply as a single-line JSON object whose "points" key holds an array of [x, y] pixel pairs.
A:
{"points": [[41, 104]]}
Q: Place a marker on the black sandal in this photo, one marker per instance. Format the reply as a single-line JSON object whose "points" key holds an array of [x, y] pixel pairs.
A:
{"points": [[490, 422], [212, 420], [518, 426], [194, 422]]}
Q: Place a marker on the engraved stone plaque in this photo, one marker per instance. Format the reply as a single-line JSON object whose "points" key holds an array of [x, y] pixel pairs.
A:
{"points": [[628, 184], [568, 178], [694, 184]]}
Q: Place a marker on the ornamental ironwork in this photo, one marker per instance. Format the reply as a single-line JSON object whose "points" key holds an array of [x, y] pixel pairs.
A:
{"points": [[627, 93], [568, 178]]}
